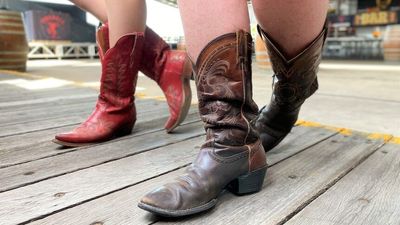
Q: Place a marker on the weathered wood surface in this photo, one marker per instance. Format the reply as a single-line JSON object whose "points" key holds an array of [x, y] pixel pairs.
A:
{"points": [[50, 105], [38, 145], [55, 194], [315, 176], [124, 201], [25, 95], [5, 76], [57, 165], [291, 184], [50, 99], [55, 118], [370, 194]]}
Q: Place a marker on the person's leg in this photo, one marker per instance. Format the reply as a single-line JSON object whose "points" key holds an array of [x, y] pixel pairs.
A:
{"points": [[125, 16], [96, 7], [204, 20], [294, 45], [170, 69], [291, 24], [115, 113], [232, 156]]}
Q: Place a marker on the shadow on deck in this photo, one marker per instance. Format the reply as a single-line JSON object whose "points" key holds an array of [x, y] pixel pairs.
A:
{"points": [[318, 175]]}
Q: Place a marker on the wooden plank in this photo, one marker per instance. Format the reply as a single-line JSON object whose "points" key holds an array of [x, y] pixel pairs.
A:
{"points": [[116, 208], [24, 95], [4, 76], [65, 120], [50, 99], [298, 139], [51, 105], [33, 201], [15, 176], [124, 210], [28, 147], [9, 118], [292, 183], [8, 89], [368, 195], [34, 171], [83, 109]]}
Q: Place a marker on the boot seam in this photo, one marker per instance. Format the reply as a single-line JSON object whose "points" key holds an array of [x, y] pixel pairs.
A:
{"points": [[228, 159], [210, 60]]}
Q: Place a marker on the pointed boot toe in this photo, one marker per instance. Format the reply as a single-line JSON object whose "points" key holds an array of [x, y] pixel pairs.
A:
{"points": [[170, 201]]}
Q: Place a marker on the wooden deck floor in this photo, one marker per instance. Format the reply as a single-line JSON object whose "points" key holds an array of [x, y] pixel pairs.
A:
{"points": [[318, 175]]}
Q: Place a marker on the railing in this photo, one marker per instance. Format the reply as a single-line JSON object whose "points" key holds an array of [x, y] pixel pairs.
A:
{"points": [[61, 50], [67, 50]]}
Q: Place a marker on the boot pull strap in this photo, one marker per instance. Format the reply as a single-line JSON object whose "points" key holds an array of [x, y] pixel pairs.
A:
{"points": [[325, 29], [242, 48], [260, 32]]}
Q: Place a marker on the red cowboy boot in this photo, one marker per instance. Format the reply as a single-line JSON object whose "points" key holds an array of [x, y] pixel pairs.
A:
{"points": [[171, 70], [115, 113]]}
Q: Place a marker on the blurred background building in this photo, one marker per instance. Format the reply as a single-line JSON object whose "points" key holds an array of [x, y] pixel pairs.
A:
{"points": [[359, 29], [364, 29]]}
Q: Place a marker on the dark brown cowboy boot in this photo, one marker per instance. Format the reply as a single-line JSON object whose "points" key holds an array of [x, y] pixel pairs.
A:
{"points": [[232, 156], [296, 81]]}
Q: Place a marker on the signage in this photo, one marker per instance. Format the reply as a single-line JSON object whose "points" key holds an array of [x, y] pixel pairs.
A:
{"points": [[51, 24], [376, 18], [47, 25], [378, 4]]}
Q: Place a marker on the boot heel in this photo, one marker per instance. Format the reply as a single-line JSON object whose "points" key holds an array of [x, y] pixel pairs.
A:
{"points": [[249, 183], [126, 130]]}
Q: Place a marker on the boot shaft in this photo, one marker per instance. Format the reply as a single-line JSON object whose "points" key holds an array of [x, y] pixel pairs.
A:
{"points": [[120, 65], [155, 56], [223, 80], [296, 77]]}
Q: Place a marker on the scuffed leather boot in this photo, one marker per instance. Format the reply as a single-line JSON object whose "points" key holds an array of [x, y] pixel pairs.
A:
{"points": [[171, 69], [296, 81], [232, 156], [115, 113]]}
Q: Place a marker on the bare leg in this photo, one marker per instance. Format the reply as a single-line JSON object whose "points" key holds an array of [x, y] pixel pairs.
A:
{"points": [[95, 7], [292, 24], [125, 16], [204, 20]]}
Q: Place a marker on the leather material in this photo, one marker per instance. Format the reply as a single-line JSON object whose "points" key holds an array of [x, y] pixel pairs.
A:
{"points": [[171, 70], [232, 147], [115, 112], [296, 80]]}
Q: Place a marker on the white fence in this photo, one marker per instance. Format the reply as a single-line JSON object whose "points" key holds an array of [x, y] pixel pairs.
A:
{"points": [[55, 50]]}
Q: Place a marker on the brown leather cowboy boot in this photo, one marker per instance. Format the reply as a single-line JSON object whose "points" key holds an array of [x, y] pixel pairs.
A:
{"points": [[171, 70], [232, 156], [115, 113], [296, 81]]}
